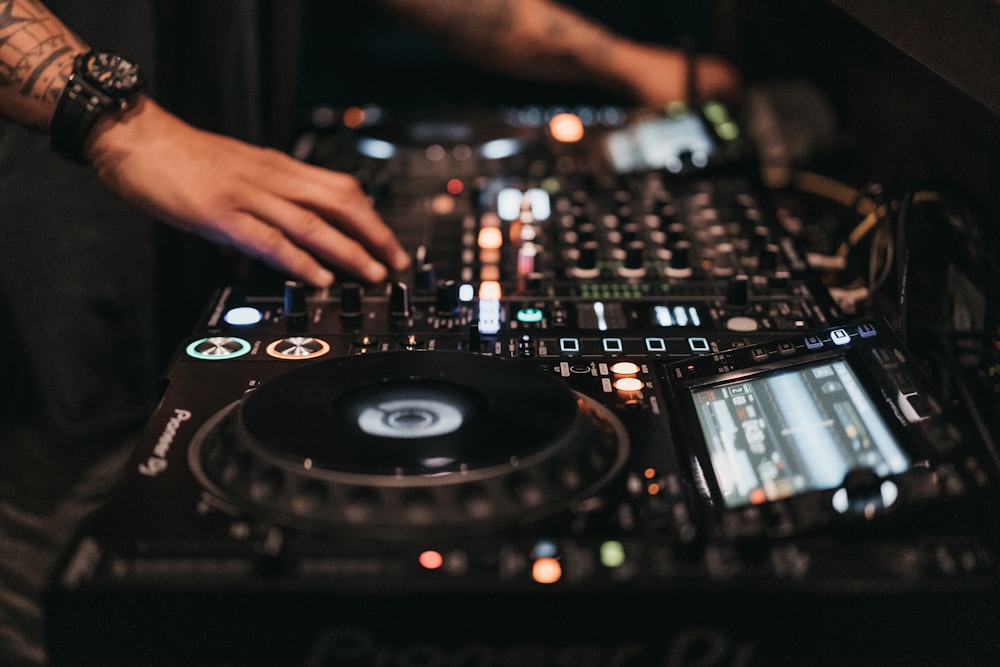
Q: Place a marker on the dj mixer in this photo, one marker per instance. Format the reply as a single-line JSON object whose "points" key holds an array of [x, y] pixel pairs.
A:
{"points": [[610, 417]]}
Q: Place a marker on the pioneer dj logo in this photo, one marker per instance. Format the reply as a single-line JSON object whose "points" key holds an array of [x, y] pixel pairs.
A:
{"points": [[157, 463]]}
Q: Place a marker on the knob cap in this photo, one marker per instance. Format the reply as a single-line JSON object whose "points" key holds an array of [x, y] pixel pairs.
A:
{"points": [[737, 292], [426, 278], [446, 304], [588, 256], [350, 299], [296, 311], [399, 300], [680, 260]]}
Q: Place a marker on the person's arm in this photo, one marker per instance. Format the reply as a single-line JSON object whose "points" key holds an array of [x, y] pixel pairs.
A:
{"points": [[542, 40], [293, 216]]}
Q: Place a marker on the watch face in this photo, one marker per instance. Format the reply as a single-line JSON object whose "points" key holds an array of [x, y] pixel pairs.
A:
{"points": [[112, 72]]}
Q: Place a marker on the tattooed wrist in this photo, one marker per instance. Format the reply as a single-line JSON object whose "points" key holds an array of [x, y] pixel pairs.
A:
{"points": [[36, 57]]}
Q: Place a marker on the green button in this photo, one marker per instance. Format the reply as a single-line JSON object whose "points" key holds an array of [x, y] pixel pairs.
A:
{"points": [[612, 553]]}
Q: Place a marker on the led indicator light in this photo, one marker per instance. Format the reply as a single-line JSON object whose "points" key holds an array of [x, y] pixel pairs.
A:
{"points": [[490, 238], [625, 368], [546, 571], [566, 127], [431, 560], [612, 554], [243, 316], [545, 549], [529, 315], [613, 345], [629, 385]]}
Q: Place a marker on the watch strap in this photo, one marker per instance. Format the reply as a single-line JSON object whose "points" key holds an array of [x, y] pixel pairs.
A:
{"points": [[77, 111]]}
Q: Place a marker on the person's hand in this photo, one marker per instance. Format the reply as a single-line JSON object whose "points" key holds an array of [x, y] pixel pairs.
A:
{"points": [[656, 76], [293, 216]]}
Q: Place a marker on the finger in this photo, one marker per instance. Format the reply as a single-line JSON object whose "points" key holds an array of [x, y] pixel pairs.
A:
{"points": [[259, 240], [339, 199], [311, 232]]}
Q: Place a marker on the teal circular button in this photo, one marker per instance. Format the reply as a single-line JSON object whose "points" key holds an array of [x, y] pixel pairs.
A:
{"points": [[218, 347]]}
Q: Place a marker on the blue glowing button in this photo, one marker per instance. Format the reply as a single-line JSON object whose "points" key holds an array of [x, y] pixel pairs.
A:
{"points": [[569, 344], [218, 347], [243, 317], [699, 344], [530, 315], [840, 337], [813, 342], [656, 345], [867, 330], [613, 345]]}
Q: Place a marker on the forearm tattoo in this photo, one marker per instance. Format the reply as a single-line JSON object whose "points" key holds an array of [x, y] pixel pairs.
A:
{"points": [[33, 46], [457, 22], [530, 37]]}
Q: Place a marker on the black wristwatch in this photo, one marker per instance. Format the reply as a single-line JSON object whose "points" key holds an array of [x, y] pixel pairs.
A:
{"points": [[101, 82]]}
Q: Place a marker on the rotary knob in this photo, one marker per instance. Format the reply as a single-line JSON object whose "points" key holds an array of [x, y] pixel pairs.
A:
{"points": [[586, 264], [446, 304], [680, 260], [399, 300], [350, 300], [296, 311], [738, 292]]}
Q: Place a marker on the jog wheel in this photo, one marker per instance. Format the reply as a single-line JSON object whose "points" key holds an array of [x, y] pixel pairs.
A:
{"points": [[397, 443]]}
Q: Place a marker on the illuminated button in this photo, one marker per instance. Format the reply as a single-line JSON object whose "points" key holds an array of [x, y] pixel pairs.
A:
{"points": [[490, 289], [742, 323], [866, 330], [546, 571], [566, 127], [298, 347], [490, 238], [699, 344], [813, 342], [530, 315], [612, 554], [455, 186], [218, 348], [569, 344], [489, 316], [612, 344], [353, 117], [431, 560], [629, 385], [545, 549], [489, 272], [244, 316], [656, 345], [625, 368], [466, 292], [840, 337]]}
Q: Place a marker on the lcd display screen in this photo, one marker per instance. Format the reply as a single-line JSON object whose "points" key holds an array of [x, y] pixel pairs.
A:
{"points": [[781, 434], [661, 143]]}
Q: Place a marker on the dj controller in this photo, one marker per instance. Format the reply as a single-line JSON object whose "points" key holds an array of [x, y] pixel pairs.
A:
{"points": [[610, 417]]}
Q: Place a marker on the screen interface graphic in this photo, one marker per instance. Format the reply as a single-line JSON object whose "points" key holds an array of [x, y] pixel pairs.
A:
{"points": [[661, 143], [782, 434]]}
